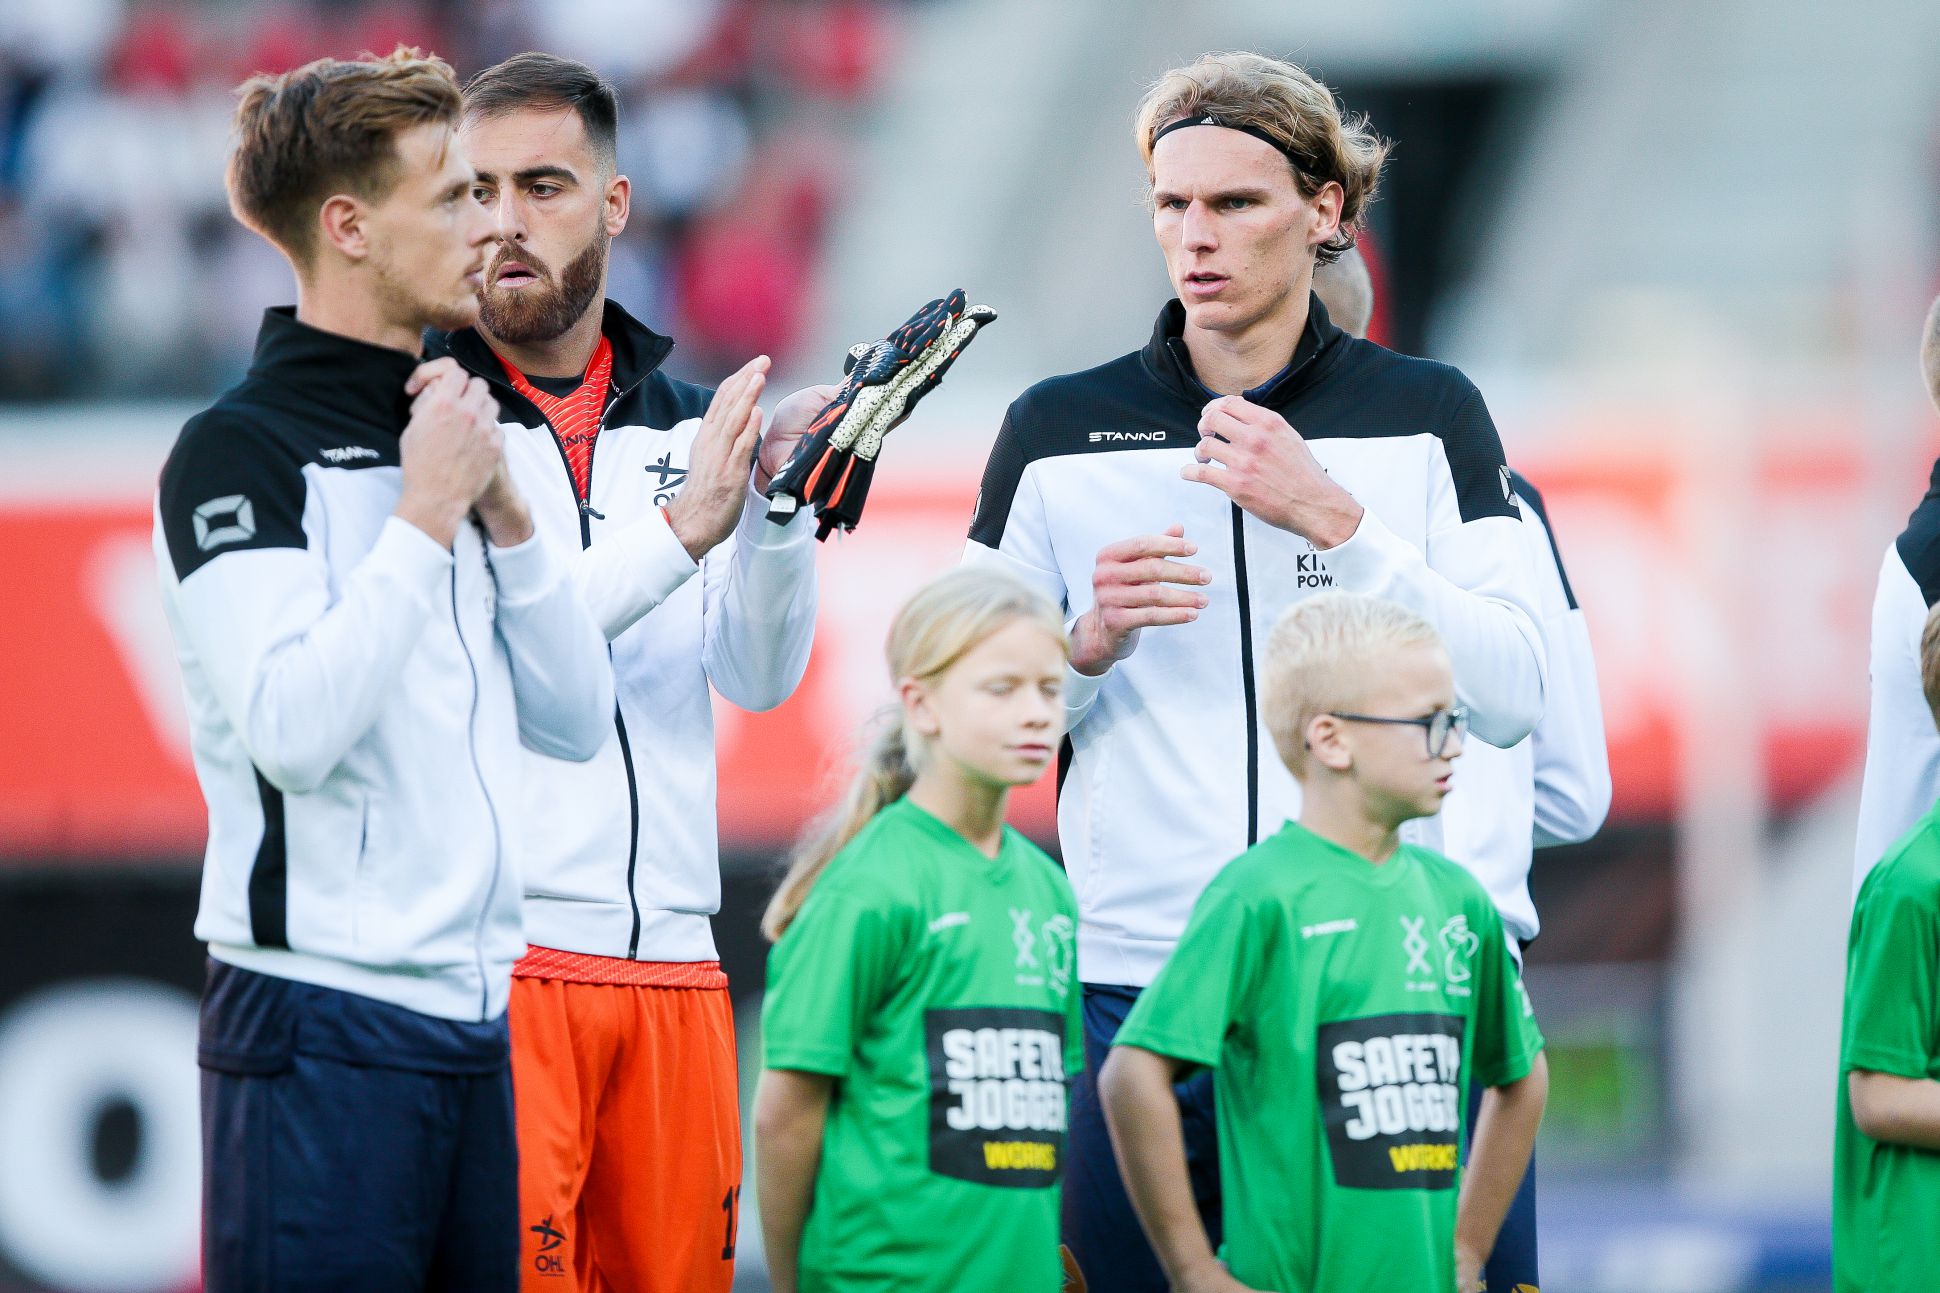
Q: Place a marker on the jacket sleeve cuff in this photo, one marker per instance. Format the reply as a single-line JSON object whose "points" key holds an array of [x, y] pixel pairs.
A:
{"points": [[419, 561], [525, 571], [659, 560], [757, 531], [631, 569], [1080, 689], [1368, 559]]}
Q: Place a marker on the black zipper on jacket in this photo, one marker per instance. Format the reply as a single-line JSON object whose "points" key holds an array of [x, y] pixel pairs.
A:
{"points": [[1246, 678], [586, 513], [478, 769]]}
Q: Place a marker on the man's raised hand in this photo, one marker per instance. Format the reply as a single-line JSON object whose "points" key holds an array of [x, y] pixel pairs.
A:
{"points": [[450, 449], [710, 502], [786, 428], [1137, 583], [1265, 467]]}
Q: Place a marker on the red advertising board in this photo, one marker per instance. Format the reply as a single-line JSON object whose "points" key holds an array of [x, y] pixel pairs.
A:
{"points": [[94, 762]]}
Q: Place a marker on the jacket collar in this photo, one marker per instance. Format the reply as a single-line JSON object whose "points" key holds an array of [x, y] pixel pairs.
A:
{"points": [[356, 379], [637, 349], [1167, 359]]}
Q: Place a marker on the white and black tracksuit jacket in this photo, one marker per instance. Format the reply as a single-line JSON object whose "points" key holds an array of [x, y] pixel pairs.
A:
{"points": [[1552, 787], [621, 854], [1902, 778], [357, 694], [1168, 774]]}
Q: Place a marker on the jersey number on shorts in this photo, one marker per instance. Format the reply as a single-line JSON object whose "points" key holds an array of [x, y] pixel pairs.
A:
{"points": [[730, 1203]]}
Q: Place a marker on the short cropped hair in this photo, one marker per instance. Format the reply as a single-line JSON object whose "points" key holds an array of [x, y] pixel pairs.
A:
{"points": [[329, 127], [1283, 100], [533, 80], [1347, 290], [1930, 663], [1322, 656], [1930, 353]]}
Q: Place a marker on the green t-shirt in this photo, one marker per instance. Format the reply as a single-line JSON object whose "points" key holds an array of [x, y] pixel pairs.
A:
{"points": [[1886, 1198], [1343, 1007], [939, 986]]}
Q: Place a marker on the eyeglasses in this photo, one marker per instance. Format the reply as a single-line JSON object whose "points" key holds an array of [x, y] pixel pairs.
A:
{"points": [[1441, 726]]}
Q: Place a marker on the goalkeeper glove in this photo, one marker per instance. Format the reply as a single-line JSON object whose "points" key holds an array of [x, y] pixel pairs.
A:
{"points": [[831, 468]]}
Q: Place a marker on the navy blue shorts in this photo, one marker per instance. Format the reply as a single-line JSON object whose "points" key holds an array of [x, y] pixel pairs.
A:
{"points": [[1100, 1226], [349, 1143]]}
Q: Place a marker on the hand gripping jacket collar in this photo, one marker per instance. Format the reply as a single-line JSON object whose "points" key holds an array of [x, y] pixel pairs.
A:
{"points": [[831, 468]]}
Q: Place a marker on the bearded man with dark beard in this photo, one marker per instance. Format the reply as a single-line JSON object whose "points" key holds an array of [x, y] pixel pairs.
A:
{"points": [[623, 1037]]}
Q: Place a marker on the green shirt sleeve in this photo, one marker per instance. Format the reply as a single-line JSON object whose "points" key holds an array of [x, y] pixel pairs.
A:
{"points": [[1505, 1039], [827, 977], [1203, 989], [1890, 979]]}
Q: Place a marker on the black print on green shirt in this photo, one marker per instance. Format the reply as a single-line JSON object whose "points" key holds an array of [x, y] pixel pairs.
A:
{"points": [[1391, 1087], [997, 1095]]}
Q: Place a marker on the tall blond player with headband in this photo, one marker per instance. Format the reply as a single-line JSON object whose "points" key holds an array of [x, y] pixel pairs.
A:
{"points": [[1248, 456]]}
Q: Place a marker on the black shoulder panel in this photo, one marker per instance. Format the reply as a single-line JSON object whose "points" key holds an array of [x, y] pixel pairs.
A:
{"points": [[1114, 408], [1919, 543], [1370, 392], [229, 485], [1475, 460], [1532, 496], [660, 401]]}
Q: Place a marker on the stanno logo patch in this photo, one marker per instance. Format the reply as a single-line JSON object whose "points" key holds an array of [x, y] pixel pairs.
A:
{"points": [[229, 519], [1114, 437], [1391, 1089], [997, 1095], [350, 453]]}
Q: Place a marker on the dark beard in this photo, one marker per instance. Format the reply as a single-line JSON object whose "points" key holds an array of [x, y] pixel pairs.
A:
{"points": [[545, 313]]}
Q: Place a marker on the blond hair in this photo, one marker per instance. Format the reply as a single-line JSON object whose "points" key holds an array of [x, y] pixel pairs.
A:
{"points": [[1287, 103], [943, 622], [1930, 663], [1320, 657], [1930, 353], [1346, 289], [329, 127]]}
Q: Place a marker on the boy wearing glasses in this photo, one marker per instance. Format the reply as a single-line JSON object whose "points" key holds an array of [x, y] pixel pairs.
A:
{"points": [[1344, 987]]}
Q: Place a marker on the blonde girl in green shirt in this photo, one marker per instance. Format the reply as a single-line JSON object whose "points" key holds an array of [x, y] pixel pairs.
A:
{"points": [[921, 1025]]}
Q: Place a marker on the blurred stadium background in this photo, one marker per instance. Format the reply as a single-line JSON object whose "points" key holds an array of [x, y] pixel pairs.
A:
{"points": [[1684, 248]]}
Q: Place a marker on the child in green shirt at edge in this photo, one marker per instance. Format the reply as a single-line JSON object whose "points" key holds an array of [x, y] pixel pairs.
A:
{"points": [[921, 1020], [1886, 1146], [1344, 987]]}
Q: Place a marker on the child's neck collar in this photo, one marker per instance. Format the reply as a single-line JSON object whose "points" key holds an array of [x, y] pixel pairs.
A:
{"points": [[1373, 841], [974, 810]]}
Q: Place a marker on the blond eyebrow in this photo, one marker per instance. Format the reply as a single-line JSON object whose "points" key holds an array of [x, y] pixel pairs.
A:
{"points": [[1252, 194]]}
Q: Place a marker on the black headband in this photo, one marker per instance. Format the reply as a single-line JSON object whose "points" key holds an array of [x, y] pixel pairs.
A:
{"points": [[1302, 164]]}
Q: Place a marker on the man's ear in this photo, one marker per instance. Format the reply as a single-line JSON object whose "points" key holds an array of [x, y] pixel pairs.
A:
{"points": [[918, 708], [1327, 743], [1324, 208], [343, 226], [619, 205]]}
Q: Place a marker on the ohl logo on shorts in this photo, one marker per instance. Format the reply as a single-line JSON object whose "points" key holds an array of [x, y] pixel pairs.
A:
{"points": [[997, 1095]]}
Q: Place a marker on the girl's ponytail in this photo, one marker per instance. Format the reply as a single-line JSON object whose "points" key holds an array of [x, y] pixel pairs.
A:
{"points": [[885, 777], [946, 618]]}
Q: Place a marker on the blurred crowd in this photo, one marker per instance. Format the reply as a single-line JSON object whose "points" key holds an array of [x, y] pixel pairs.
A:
{"points": [[122, 275]]}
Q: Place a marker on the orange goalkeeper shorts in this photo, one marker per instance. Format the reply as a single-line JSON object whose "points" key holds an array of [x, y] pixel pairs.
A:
{"points": [[629, 1137]]}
